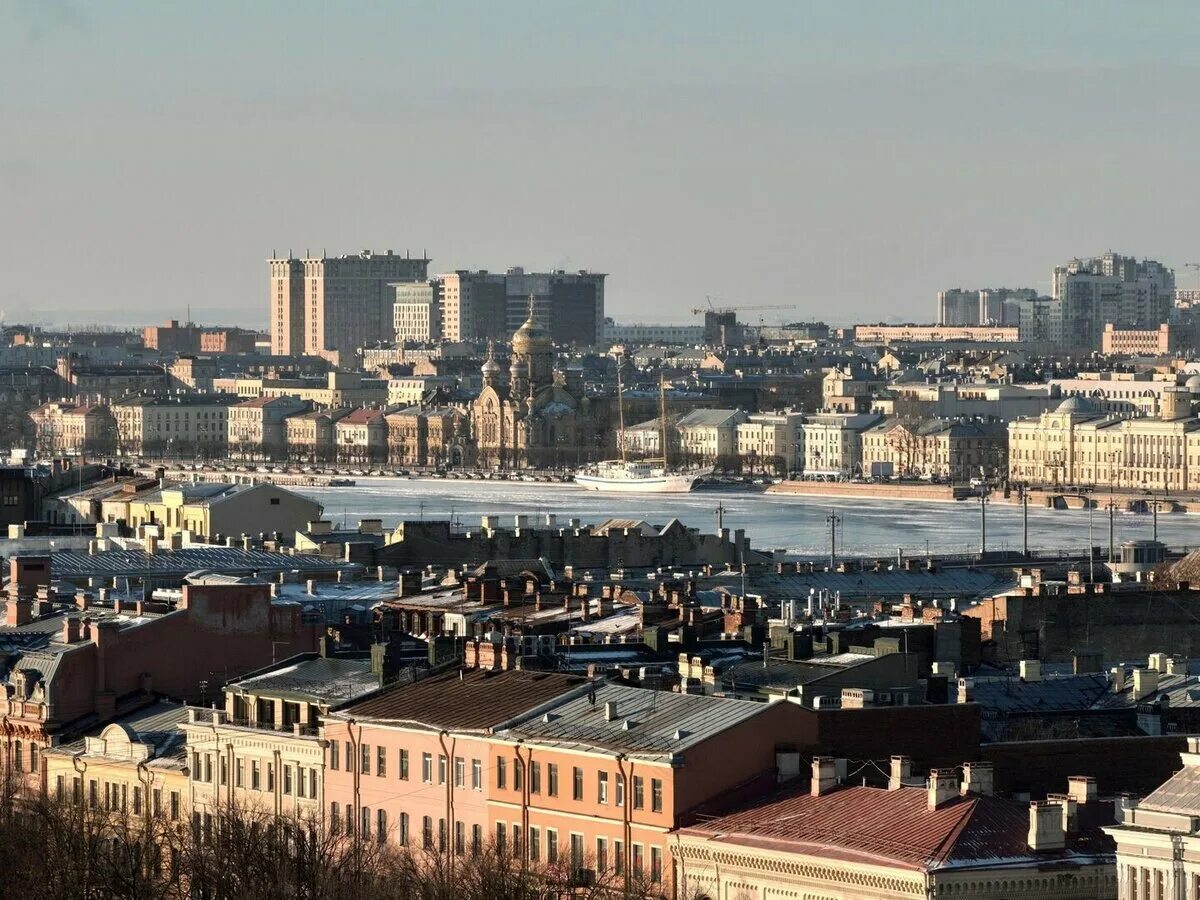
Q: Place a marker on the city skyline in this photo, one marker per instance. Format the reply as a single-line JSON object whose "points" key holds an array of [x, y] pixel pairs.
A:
{"points": [[853, 157]]}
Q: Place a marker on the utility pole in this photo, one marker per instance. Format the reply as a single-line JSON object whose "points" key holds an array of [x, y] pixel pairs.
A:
{"points": [[1024, 522], [720, 516], [1154, 507], [1091, 542], [1112, 518], [834, 520], [982, 522]]}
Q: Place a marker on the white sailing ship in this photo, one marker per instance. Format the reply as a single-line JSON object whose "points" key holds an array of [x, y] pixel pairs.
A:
{"points": [[637, 476]]}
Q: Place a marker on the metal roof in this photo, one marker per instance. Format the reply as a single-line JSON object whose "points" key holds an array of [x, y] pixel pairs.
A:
{"points": [[327, 679], [869, 824], [468, 701], [647, 723], [156, 725], [1179, 794], [74, 564]]}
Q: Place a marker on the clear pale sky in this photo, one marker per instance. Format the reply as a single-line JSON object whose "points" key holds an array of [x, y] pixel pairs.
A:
{"points": [[849, 158]]}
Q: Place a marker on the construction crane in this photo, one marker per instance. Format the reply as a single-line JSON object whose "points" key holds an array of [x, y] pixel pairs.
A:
{"points": [[710, 308]]}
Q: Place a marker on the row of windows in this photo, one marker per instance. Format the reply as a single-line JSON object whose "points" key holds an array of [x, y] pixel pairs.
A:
{"points": [[374, 761], [117, 797], [300, 780]]}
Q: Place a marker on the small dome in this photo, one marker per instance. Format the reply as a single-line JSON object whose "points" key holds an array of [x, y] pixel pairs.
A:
{"points": [[1193, 384], [490, 367], [1075, 405]]}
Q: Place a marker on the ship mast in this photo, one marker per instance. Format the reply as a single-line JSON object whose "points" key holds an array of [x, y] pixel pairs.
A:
{"points": [[620, 414], [662, 402]]}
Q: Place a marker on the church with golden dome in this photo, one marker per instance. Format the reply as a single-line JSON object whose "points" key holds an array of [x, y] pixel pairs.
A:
{"points": [[530, 419]]}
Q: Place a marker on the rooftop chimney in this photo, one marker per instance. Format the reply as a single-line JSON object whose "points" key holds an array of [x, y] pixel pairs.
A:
{"points": [[978, 778], [1117, 679], [824, 775], [1045, 826], [901, 772], [1145, 683], [1083, 788], [610, 711], [1070, 812], [1031, 670], [941, 787]]}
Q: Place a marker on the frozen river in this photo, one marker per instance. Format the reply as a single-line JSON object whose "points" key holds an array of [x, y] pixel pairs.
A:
{"points": [[796, 524]]}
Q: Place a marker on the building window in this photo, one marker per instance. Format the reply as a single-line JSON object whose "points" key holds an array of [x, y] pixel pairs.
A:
{"points": [[404, 765], [602, 788], [33, 757], [501, 772], [365, 755], [442, 764], [137, 799], [255, 776], [476, 838], [576, 851], [174, 806], [601, 855], [349, 757], [501, 838], [364, 815], [403, 834], [427, 768], [618, 857], [334, 762], [656, 795], [270, 776], [156, 802], [224, 770], [442, 835], [620, 790], [535, 844], [577, 783], [460, 838], [552, 779], [335, 815], [535, 778], [287, 780], [638, 792], [655, 864], [518, 773], [460, 772], [638, 862], [427, 832], [381, 761], [476, 775], [239, 773], [381, 826], [551, 846]]}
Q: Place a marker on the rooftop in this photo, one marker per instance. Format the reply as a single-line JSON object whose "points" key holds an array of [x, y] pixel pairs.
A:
{"points": [[871, 825], [646, 723], [330, 680], [469, 701]]}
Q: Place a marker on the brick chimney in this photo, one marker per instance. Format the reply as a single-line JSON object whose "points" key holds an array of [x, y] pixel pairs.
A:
{"points": [[901, 773], [1045, 826], [978, 778], [18, 611], [1117, 679], [942, 787], [70, 632], [1031, 670], [1070, 812], [824, 775]]}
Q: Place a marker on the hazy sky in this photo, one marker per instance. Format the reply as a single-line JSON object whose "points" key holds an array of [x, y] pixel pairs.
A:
{"points": [[848, 158]]}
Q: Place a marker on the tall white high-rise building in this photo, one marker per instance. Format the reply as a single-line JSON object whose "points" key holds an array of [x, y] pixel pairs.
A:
{"points": [[987, 306], [1131, 294]]}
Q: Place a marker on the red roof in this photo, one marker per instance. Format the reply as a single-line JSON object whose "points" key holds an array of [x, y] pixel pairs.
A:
{"points": [[364, 416], [869, 824]]}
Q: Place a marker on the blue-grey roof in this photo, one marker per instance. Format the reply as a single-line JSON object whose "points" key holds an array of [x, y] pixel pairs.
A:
{"points": [[648, 723], [328, 680], [74, 564]]}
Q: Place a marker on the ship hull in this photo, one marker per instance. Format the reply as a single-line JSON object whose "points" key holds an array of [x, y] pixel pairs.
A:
{"points": [[653, 484]]}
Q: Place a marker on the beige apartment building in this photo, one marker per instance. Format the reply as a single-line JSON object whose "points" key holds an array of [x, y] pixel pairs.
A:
{"points": [[1132, 342], [64, 427], [1078, 445], [947, 449], [361, 436], [256, 427], [335, 389], [261, 751], [709, 434], [173, 425], [310, 436], [771, 441], [332, 306], [833, 445]]}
